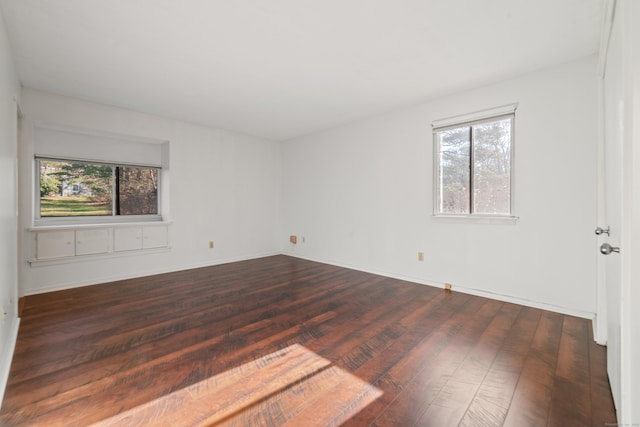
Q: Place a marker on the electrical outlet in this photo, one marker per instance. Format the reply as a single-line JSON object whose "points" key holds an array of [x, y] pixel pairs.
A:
{"points": [[211, 244], [447, 286], [420, 256]]}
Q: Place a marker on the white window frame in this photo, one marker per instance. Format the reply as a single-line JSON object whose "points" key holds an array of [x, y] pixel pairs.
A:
{"points": [[93, 219], [466, 120]]}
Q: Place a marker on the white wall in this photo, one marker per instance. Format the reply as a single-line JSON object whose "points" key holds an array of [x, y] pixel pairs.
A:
{"points": [[9, 91], [362, 195], [224, 187]]}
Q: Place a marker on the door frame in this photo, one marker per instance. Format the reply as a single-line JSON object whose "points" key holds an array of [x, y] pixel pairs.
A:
{"points": [[600, 319], [627, 13]]}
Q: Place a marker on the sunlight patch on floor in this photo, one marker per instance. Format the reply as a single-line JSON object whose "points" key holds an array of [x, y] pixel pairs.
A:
{"points": [[292, 386]]}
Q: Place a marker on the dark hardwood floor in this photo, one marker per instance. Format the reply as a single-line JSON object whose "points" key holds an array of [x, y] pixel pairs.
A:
{"points": [[283, 341]]}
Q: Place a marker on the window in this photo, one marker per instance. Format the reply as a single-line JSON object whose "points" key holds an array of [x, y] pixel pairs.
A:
{"points": [[83, 177], [473, 167], [71, 188]]}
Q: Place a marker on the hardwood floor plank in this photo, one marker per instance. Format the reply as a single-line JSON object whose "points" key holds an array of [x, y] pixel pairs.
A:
{"points": [[532, 397], [450, 405], [433, 376], [491, 401], [222, 395], [149, 380], [408, 353], [107, 364], [284, 341], [571, 399]]}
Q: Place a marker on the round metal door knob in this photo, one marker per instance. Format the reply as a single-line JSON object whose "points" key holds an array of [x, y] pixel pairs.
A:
{"points": [[606, 249]]}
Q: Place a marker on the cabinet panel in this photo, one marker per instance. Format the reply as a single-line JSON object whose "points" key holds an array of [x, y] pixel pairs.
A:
{"points": [[55, 244], [154, 237], [96, 241], [69, 243], [127, 239]]}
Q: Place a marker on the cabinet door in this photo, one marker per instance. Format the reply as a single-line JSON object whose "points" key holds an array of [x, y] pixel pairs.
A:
{"points": [[155, 237], [127, 239], [55, 244], [95, 241]]}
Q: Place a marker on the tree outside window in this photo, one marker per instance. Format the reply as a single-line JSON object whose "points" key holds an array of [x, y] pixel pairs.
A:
{"points": [[74, 189], [473, 167]]}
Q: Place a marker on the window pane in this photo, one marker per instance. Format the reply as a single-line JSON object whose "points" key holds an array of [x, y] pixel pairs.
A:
{"points": [[454, 170], [74, 189], [138, 191], [492, 167]]}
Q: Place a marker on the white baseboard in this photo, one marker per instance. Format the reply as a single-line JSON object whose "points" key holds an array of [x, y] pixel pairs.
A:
{"points": [[597, 335], [470, 291], [7, 356]]}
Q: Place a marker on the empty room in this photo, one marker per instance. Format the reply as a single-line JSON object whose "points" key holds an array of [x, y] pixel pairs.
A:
{"points": [[320, 213]]}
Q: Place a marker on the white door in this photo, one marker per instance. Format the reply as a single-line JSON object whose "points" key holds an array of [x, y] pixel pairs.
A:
{"points": [[611, 219], [620, 209]]}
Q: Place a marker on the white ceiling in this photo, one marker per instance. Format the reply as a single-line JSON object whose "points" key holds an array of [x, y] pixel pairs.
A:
{"points": [[284, 68]]}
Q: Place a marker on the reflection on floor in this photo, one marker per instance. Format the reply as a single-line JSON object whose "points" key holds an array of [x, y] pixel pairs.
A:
{"points": [[292, 386]]}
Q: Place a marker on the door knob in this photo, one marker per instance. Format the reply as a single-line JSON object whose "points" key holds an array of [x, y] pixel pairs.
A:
{"points": [[606, 249], [601, 230]]}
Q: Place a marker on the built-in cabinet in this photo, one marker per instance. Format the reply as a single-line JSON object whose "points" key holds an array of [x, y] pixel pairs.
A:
{"points": [[136, 238], [90, 242], [70, 243], [55, 244]]}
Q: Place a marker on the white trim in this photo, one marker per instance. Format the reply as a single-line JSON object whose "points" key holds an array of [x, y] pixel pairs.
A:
{"points": [[476, 115], [98, 225], [605, 35], [600, 320], [7, 356], [73, 222], [628, 410], [476, 219], [471, 291]]}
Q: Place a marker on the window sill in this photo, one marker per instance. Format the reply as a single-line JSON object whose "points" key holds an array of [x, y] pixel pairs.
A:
{"points": [[70, 226], [476, 219]]}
